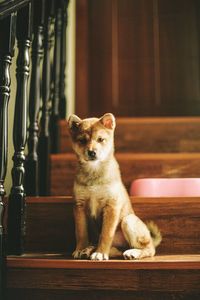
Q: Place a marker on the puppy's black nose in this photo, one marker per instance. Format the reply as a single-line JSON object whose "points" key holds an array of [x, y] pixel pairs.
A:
{"points": [[91, 154]]}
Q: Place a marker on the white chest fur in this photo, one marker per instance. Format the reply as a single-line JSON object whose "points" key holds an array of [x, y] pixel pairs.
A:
{"points": [[95, 206], [96, 197]]}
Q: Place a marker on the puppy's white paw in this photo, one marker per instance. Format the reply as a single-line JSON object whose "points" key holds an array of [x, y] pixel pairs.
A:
{"points": [[99, 256], [84, 253], [132, 254]]}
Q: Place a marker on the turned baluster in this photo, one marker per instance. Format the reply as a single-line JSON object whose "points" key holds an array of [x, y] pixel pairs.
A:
{"points": [[16, 207], [54, 125], [32, 171], [44, 138], [7, 36], [63, 100]]}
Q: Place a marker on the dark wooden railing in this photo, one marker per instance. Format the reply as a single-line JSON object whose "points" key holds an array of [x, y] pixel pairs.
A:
{"points": [[44, 138], [39, 29], [32, 168]]}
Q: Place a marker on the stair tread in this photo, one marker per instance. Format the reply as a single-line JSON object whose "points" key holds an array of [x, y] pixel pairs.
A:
{"points": [[61, 261]]}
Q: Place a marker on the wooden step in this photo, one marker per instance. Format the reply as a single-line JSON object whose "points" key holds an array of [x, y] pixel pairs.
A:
{"points": [[174, 273], [162, 277], [172, 134], [132, 165], [178, 219]]}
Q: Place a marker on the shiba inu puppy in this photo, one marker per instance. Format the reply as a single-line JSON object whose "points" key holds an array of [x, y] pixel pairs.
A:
{"points": [[101, 196]]}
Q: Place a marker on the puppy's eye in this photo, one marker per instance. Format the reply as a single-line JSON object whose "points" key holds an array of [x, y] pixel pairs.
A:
{"points": [[82, 141], [100, 140]]}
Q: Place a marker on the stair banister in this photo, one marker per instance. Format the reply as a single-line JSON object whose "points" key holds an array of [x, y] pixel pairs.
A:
{"points": [[54, 122], [44, 138], [32, 170], [16, 204], [7, 35]]}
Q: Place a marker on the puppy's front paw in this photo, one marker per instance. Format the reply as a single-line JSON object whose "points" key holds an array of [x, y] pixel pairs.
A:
{"points": [[132, 254], [99, 256], [77, 254], [84, 253]]}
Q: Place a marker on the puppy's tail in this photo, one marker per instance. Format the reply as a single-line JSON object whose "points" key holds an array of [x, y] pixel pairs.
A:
{"points": [[155, 233]]}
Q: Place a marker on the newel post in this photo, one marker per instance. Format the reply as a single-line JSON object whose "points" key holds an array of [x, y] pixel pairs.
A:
{"points": [[16, 204], [7, 35]]}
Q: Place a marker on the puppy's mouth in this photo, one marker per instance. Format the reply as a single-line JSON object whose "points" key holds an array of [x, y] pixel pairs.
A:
{"points": [[91, 158]]}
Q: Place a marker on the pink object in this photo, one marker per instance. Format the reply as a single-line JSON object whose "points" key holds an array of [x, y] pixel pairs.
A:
{"points": [[166, 187]]}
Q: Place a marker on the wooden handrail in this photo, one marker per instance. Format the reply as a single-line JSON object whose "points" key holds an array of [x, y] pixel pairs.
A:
{"points": [[8, 7]]}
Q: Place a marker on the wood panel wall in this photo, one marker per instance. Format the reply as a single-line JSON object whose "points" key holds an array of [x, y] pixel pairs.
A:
{"points": [[138, 57]]}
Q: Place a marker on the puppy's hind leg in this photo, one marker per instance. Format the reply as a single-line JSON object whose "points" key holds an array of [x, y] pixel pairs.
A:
{"points": [[138, 237]]}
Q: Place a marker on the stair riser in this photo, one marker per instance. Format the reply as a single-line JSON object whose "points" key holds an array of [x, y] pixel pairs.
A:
{"points": [[149, 135], [50, 226], [42, 294], [123, 280], [63, 168]]}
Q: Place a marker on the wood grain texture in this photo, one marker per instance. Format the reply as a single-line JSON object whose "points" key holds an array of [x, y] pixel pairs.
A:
{"points": [[149, 135], [132, 165], [106, 279], [155, 57], [82, 59], [50, 224], [160, 262], [44, 294], [174, 273]]}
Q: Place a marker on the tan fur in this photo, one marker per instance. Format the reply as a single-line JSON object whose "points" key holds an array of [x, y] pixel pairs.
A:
{"points": [[100, 194]]}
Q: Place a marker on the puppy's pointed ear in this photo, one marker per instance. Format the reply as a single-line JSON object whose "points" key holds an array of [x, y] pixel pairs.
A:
{"points": [[73, 122], [108, 121]]}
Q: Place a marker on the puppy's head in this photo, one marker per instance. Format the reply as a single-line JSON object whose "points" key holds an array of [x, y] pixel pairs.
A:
{"points": [[92, 138]]}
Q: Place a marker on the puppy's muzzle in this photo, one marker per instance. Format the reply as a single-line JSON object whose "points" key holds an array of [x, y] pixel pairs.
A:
{"points": [[91, 154]]}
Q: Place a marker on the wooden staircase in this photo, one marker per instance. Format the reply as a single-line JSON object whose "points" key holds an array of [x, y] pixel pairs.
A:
{"points": [[47, 271], [145, 147]]}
